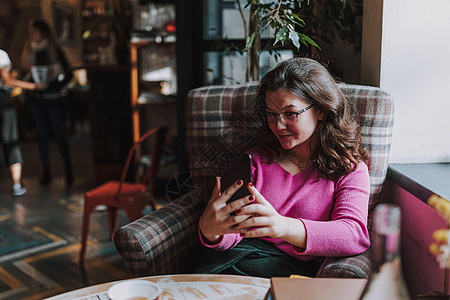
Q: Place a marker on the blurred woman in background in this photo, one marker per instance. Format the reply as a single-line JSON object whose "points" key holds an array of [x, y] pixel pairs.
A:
{"points": [[44, 61], [9, 136]]}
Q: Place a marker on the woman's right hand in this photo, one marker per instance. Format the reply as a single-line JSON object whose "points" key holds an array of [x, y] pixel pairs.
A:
{"points": [[41, 86], [217, 219]]}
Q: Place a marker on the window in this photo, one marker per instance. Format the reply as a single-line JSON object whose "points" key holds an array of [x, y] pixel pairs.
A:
{"points": [[224, 37]]}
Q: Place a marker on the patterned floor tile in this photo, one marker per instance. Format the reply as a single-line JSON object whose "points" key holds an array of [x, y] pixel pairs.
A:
{"points": [[40, 231]]}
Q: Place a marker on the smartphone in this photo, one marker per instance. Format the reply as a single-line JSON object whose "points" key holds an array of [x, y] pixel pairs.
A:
{"points": [[238, 167]]}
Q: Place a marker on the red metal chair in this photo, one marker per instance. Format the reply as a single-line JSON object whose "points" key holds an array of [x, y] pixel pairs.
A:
{"points": [[131, 197]]}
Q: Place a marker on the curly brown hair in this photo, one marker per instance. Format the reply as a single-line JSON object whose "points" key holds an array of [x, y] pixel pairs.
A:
{"points": [[338, 148]]}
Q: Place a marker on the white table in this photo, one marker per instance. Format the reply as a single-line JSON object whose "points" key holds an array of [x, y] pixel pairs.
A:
{"points": [[189, 286]]}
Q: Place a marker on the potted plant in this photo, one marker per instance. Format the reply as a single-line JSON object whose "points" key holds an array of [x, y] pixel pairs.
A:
{"points": [[326, 20]]}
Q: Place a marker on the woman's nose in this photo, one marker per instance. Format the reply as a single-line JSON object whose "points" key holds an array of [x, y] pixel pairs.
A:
{"points": [[281, 123]]}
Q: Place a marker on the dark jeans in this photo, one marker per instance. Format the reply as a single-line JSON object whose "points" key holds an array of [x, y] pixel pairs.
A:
{"points": [[49, 115], [9, 136], [255, 257]]}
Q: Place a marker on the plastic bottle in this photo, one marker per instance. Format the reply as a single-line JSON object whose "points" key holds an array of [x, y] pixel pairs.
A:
{"points": [[386, 280]]}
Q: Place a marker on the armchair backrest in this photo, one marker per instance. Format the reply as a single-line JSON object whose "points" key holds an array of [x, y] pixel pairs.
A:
{"points": [[222, 119]]}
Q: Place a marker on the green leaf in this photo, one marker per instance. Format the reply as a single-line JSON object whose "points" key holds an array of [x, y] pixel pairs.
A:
{"points": [[300, 21], [295, 40], [305, 40], [249, 42], [301, 1], [257, 12], [281, 35]]}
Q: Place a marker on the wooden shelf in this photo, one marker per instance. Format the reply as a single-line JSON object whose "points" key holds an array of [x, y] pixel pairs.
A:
{"points": [[143, 92], [146, 99]]}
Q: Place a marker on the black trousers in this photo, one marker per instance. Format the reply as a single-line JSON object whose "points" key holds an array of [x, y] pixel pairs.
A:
{"points": [[49, 117], [9, 132], [255, 257]]}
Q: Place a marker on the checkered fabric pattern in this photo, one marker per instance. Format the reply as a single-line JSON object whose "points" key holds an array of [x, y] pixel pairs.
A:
{"points": [[164, 241], [222, 119], [219, 120]]}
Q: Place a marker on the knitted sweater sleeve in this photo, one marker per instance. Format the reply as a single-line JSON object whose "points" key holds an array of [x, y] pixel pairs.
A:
{"points": [[227, 241], [346, 233]]}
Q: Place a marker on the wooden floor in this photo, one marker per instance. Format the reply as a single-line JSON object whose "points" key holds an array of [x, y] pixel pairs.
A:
{"points": [[40, 231]]}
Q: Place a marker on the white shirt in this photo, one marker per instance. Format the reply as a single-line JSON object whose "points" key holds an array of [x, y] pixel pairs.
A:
{"points": [[4, 62], [4, 59]]}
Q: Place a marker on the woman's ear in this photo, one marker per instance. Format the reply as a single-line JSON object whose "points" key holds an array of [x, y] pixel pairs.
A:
{"points": [[320, 114]]}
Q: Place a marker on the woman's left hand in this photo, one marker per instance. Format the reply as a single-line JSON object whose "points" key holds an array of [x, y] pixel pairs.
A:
{"points": [[267, 222]]}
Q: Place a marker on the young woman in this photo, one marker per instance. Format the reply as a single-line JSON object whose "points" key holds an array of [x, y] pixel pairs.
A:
{"points": [[310, 186], [46, 106], [9, 136]]}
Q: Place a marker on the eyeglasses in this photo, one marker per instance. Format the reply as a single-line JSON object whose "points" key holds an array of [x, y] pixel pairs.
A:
{"points": [[288, 117]]}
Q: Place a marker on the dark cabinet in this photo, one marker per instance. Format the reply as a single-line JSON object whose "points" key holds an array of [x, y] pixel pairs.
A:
{"points": [[110, 121], [106, 26]]}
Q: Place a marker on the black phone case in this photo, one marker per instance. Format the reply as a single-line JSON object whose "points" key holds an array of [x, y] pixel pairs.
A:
{"points": [[239, 167]]}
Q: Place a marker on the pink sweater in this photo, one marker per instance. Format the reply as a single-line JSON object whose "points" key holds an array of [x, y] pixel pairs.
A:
{"points": [[334, 213]]}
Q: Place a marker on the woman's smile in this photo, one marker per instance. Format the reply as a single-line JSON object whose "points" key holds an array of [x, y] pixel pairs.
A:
{"points": [[284, 135]]}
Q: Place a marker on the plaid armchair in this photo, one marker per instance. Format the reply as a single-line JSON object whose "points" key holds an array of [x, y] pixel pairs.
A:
{"points": [[222, 119]]}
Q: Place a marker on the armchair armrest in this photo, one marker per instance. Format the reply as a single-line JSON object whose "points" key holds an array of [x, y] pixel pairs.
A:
{"points": [[163, 241], [358, 266]]}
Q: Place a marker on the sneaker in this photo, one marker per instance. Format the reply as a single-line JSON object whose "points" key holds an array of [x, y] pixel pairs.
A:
{"points": [[19, 189]]}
